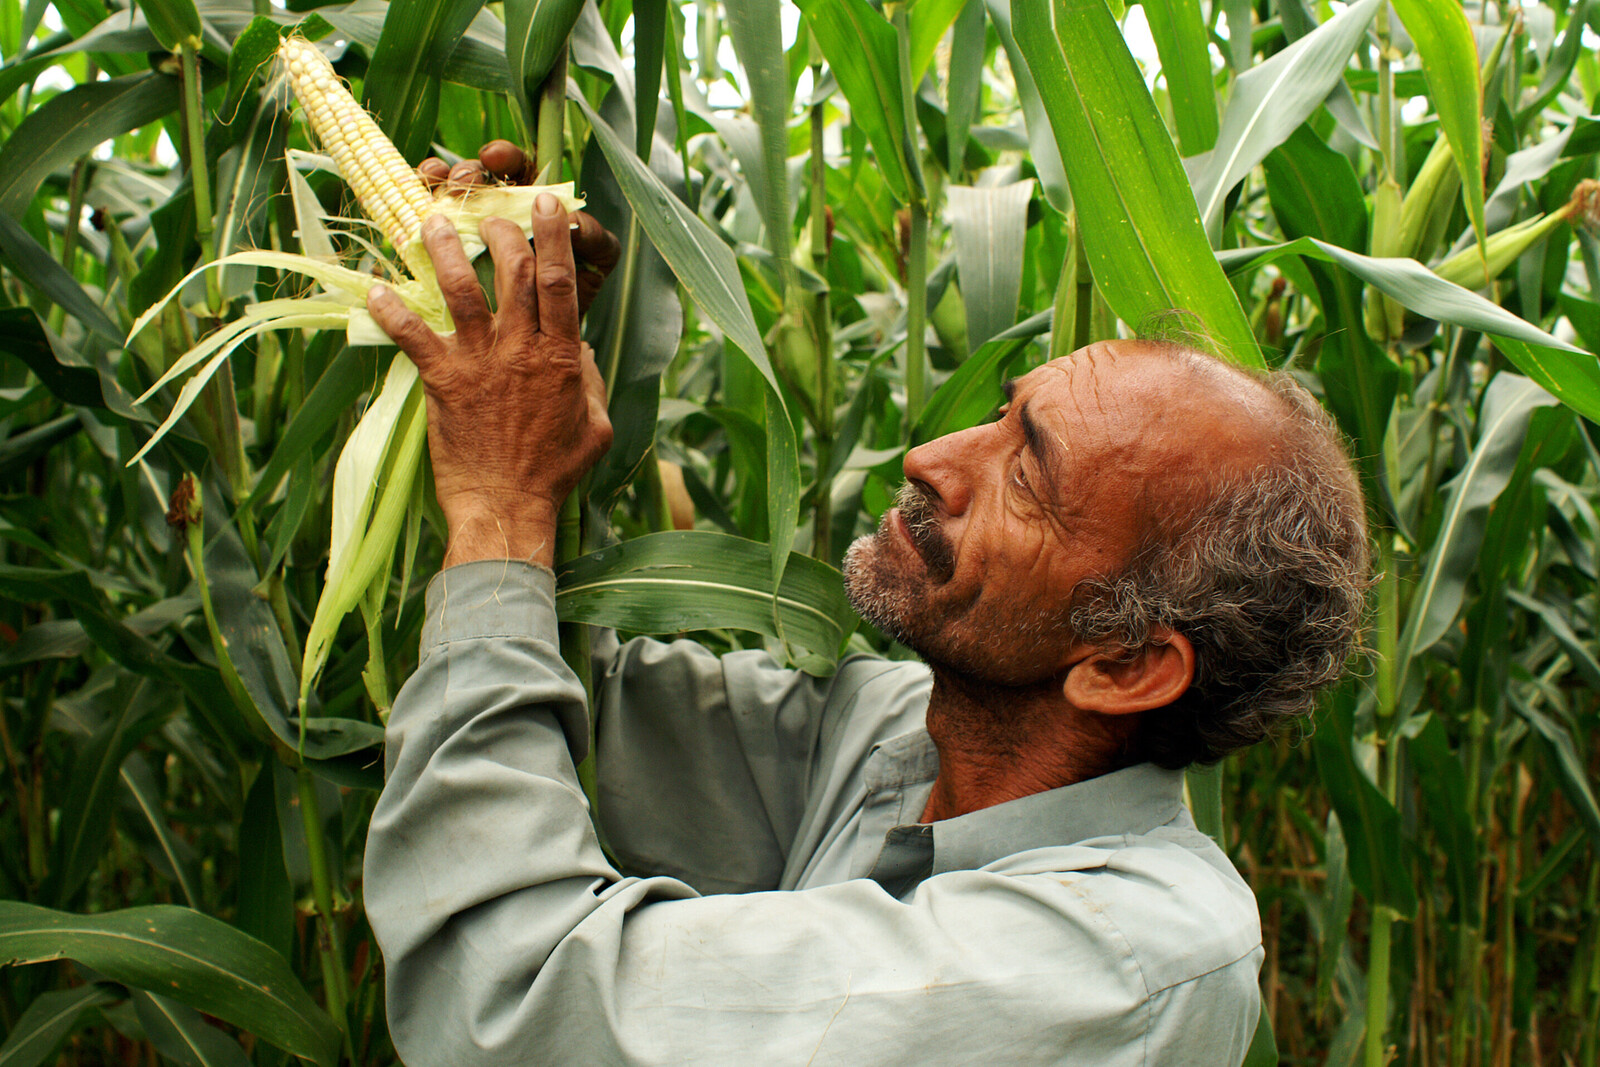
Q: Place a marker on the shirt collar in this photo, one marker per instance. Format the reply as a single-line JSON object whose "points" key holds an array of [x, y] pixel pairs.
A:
{"points": [[1134, 800]]}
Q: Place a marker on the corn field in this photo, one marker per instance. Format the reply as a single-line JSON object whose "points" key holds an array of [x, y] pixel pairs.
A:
{"points": [[843, 224]]}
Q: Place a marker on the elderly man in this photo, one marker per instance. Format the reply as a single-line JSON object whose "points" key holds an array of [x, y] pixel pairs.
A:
{"points": [[1149, 559]]}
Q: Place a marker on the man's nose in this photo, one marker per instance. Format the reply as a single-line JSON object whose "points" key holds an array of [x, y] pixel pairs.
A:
{"points": [[945, 466]]}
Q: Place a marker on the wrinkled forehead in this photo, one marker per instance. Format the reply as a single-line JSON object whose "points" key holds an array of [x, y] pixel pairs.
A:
{"points": [[1134, 395]]}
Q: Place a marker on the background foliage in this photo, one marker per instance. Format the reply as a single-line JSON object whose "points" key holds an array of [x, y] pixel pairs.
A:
{"points": [[844, 224]]}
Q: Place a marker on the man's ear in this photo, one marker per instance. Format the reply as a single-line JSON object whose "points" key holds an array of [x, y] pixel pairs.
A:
{"points": [[1115, 684]]}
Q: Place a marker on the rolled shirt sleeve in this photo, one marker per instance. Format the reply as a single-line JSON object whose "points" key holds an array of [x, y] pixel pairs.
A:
{"points": [[510, 939]]}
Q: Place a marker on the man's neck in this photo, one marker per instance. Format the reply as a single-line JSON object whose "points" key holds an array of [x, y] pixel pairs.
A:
{"points": [[998, 744]]}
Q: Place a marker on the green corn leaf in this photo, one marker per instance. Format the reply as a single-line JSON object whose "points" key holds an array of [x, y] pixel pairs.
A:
{"points": [[1299, 20], [1563, 57], [928, 20], [1370, 821], [1338, 896], [1204, 787], [147, 797], [1270, 101], [863, 54], [1444, 792], [1443, 37], [1315, 193], [536, 32], [251, 55], [401, 88], [24, 337], [1578, 651], [966, 82], [1263, 1051], [973, 391], [708, 270], [72, 124], [49, 1019], [85, 817], [1041, 136], [644, 336], [1562, 752], [1508, 406], [671, 582], [1569, 373], [988, 226], [174, 22], [266, 893], [368, 526], [29, 260], [650, 28], [758, 41], [247, 178], [352, 372], [1179, 30], [182, 1036], [1146, 248], [190, 957]]}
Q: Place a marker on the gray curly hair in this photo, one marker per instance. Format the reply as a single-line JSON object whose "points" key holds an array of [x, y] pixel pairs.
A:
{"points": [[1267, 577]]}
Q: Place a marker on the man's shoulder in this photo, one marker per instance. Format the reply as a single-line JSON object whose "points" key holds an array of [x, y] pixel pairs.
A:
{"points": [[1170, 895]]}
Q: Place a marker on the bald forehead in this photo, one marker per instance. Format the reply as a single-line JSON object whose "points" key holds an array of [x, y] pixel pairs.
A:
{"points": [[1143, 368], [1159, 414]]}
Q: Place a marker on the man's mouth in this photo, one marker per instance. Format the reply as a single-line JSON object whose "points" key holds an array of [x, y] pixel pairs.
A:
{"points": [[914, 520], [901, 527]]}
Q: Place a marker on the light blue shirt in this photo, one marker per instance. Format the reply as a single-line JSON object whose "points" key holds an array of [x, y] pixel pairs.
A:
{"points": [[781, 905]]}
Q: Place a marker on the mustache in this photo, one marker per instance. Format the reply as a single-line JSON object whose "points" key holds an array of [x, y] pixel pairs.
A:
{"points": [[916, 504]]}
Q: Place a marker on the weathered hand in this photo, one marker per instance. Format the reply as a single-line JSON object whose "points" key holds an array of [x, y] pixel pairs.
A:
{"points": [[516, 405], [594, 247]]}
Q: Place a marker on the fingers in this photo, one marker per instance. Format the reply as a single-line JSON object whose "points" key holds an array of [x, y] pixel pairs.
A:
{"points": [[557, 283], [404, 327], [514, 270], [457, 280], [594, 388], [506, 161], [433, 171], [594, 244]]}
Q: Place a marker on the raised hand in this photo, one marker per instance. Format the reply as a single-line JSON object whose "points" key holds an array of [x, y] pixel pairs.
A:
{"points": [[516, 405], [594, 247]]}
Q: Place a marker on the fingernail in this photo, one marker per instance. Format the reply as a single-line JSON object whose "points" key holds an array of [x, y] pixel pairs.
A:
{"points": [[547, 205], [379, 293], [434, 223]]}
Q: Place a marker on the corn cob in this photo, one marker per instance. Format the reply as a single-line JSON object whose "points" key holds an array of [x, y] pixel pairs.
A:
{"points": [[1466, 269], [385, 186]]}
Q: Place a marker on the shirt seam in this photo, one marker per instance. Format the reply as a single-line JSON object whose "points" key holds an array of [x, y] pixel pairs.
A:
{"points": [[444, 642]]}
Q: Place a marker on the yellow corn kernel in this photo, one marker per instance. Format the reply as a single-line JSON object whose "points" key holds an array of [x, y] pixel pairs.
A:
{"points": [[388, 190]]}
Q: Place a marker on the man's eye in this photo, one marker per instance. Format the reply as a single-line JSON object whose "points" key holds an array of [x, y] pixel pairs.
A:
{"points": [[1020, 477]]}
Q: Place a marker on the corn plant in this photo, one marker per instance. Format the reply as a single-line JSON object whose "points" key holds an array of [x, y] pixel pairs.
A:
{"points": [[843, 223]]}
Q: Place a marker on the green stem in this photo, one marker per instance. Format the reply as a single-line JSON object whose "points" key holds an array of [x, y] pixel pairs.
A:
{"points": [[821, 322], [1387, 631], [198, 173], [917, 253], [330, 941], [1064, 313], [284, 617], [376, 674], [551, 134], [630, 281], [1378, 984], [916, 315], [69, 229]]}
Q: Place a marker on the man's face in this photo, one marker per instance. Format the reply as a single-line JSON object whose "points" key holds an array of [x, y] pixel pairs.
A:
{"points": [[997, 524]]}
